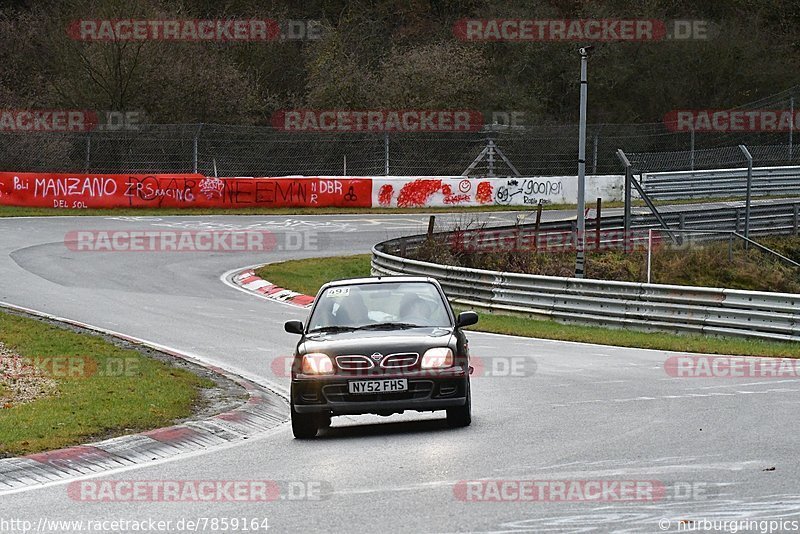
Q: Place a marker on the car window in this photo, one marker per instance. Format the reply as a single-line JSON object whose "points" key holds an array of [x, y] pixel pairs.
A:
{"points": [[358, 305]]}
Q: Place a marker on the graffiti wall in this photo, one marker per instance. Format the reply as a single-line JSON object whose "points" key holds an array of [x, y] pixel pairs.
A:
{"points": [[72, 191], [405, 192], [77, 191]]}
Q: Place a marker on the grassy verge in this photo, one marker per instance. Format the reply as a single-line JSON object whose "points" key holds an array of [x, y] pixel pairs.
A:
{"points": [[102, 390], [710, 264], [310, 274]]}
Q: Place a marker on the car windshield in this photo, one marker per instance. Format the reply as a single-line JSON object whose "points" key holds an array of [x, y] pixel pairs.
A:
{"points": [[379, 305]]}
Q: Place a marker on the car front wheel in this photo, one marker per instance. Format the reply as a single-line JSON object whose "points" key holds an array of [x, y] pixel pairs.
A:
{"points": [[304, 425], [461, 415]]}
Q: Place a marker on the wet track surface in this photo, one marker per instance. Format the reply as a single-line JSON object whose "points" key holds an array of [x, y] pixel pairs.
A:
{"points": [[573, 413]]}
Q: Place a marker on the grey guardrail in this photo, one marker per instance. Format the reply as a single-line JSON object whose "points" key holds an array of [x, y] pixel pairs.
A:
{"points": [[638, 305], [767, 181]]}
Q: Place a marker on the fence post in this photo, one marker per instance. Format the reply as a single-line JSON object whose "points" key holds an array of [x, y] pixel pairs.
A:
{"points": [[691, 147], [386, 152], [490, 159], [195, 152], [749, 191], [791, 124], [594, 155], [194, 156], [88, 151], [796, 217], [539, 222]]}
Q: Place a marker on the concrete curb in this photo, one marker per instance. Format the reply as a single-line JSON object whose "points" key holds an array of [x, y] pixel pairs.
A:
{"points": [[265, 409], [248, 280]]}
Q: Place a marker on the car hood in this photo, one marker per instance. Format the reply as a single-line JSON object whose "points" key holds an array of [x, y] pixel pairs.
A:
{"points": [[384, 341]]}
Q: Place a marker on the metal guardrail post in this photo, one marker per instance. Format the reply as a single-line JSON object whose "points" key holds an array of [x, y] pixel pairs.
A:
{"points": [[796, 216], [597, 224], [539, 222], [626, 218], [749, 190]]}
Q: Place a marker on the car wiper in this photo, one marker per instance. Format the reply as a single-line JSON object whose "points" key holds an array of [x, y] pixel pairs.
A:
{"points": [[387, 325], [333, 328]]}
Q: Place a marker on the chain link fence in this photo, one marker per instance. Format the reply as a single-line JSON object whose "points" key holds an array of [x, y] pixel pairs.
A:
{"points": [[546, 150], [495, 150]]}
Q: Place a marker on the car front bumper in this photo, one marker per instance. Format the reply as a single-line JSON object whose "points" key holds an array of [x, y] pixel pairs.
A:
{"points": [[427, 391]]}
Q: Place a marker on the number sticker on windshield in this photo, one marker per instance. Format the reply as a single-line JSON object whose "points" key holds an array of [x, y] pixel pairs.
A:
{"points": [[337, 292]]}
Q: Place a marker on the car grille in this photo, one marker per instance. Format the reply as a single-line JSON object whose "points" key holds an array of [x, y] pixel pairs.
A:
{"points": [[354, 362], [360, 362], [402, 360]]}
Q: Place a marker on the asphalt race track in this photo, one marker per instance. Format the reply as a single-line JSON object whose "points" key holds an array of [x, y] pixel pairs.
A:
{"points": [[572, 413]]}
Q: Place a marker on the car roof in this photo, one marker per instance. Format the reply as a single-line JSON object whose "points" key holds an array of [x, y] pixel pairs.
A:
{"points": [[379, 280]]}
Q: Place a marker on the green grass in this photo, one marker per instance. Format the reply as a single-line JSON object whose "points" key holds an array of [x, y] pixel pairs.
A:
{"points": [[137, 393], [308, 275]]}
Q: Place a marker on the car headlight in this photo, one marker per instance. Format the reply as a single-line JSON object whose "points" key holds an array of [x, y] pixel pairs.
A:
{"points": [[316, 363], [437, 358]]}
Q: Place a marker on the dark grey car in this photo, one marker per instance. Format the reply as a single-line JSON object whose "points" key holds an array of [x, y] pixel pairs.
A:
{"points": [[381, 346]]}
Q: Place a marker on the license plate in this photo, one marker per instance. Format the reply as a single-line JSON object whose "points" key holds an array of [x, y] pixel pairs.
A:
{"points": [[378, 386]]}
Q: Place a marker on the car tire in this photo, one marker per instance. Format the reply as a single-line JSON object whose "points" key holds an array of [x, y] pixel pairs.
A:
{"points": [[304, 425], [461, 416]]}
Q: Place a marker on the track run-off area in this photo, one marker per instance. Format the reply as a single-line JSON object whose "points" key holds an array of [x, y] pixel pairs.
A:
{"points": [[577, 415]]}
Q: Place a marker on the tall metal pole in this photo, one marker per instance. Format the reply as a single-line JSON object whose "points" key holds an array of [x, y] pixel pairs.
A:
{"points": [[581, 227]]}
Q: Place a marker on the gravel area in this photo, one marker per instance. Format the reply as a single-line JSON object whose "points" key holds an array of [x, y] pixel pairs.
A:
{"points": [[21, 382]]}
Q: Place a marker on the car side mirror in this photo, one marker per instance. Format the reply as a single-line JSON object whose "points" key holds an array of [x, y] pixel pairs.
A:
{"points": [[466, 318], [293, 327]]}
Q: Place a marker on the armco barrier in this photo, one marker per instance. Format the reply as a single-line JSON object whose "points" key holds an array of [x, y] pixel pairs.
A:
{"points": [[642, 306], [726, 183]]}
